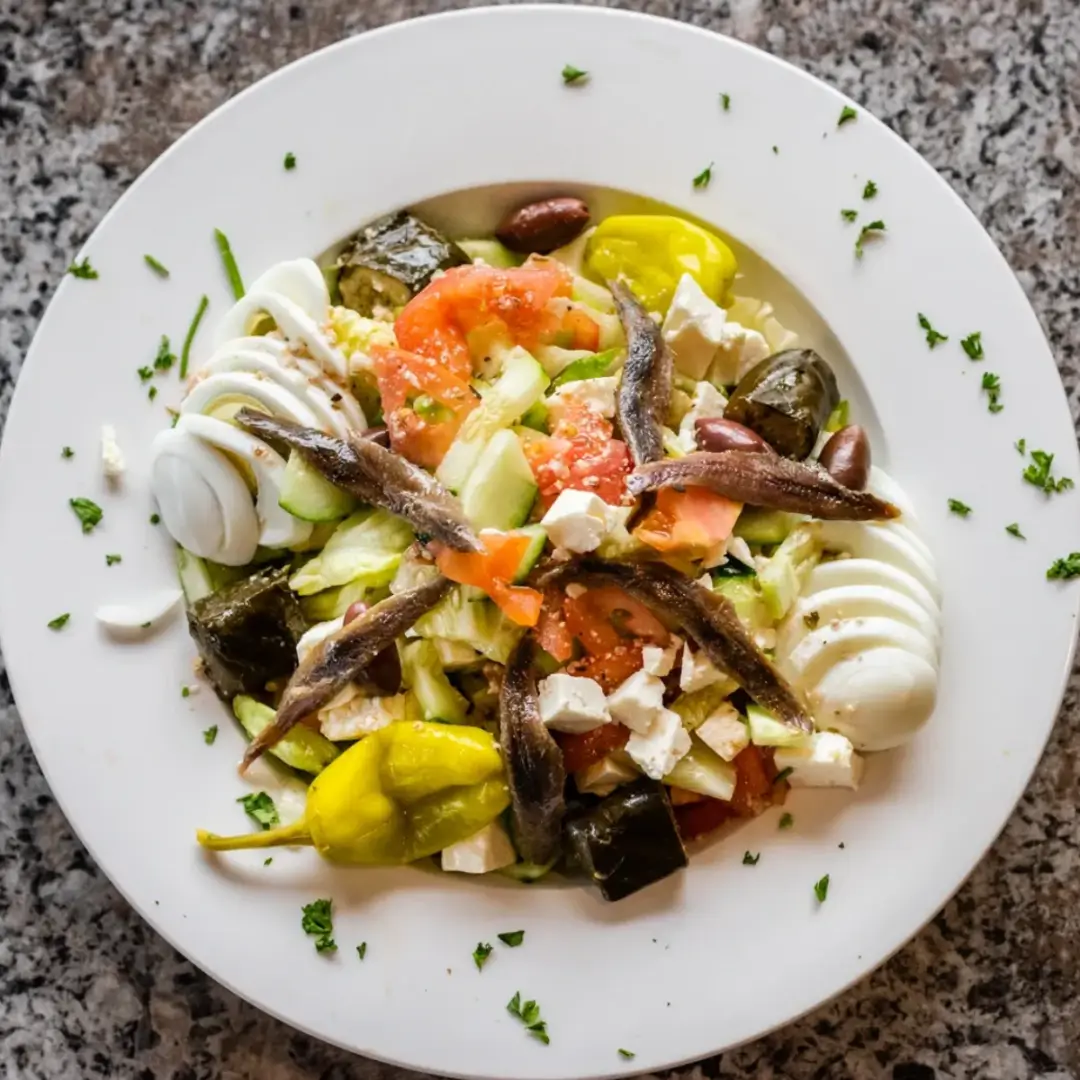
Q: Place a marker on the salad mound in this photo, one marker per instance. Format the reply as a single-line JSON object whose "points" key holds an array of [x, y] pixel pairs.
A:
{"points": [[537, 552]]}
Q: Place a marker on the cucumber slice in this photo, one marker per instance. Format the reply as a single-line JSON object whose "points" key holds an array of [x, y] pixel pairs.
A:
{"points": [[200, 577], [491, 251], [311, 497], [757, 526], [766, 730], [423, 673], [301, 748], [521, 384], [537, 539], [500, 491], [782, 577], [746, 598], [704, 771]]}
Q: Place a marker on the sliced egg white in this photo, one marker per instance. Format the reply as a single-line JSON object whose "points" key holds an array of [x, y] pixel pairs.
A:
{"points": [[145, 613], [277, 527], [842, 573], [203, 500], [886, 543], [276, 399]]}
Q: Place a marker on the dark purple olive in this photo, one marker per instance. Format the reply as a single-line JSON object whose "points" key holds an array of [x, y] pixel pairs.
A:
{"points": [[543, 226], [378, 434], [716, 434], [846, 457]]}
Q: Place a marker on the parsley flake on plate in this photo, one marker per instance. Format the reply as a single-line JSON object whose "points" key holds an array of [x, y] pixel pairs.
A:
{"points": [[1021, 446], [67, 452], [750, 860], [849, 215], [933, 338], [59, 622], [973, 346], [868, 232], [847, 114], [786, 821], [159, 268], [145, 373], [155, 519], [185, 352], [571, 75], [480, 955], [821, 889], [268, 860], [83, 270], [529, 1014], [1014, 530], [151, 393], [1038, 473], [704, 177], [870, 190], [260, 807], [87, 511], [290, 160], [165, 357], [1065, 569], [209, 735], [957, 507], [991, 383], [628, 1054], [112, 560], [725, 102], [513, 938], [361, 950], [232, 271], [317, 919]]}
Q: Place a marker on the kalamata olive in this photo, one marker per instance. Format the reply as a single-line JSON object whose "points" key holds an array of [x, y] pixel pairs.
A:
{"points": [[715, 434], [543, 226], [355, 610], [846, 457], [378, 434]]}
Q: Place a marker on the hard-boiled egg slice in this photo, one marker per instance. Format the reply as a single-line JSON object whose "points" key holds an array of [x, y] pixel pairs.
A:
{"points": [[145, 613], [277, 527], [276, 399], [866, 540], [203, 500], [841, 573]]}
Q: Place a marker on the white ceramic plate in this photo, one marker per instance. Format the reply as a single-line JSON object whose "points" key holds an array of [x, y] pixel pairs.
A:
{"points": [[723, 952]]}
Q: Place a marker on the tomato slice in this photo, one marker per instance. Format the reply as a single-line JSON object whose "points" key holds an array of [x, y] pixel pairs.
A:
{"points": [[581, 751], [612, 668], [604, 617], [492, 570], [701, 818], [552, 633], [690, 522], [754, 775]]}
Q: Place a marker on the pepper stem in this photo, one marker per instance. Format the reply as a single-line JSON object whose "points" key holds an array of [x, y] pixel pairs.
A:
{"points": [[284, 835]]}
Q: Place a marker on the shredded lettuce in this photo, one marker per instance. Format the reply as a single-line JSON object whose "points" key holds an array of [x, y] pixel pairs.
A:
{"points": [[466, 615], [759, 315]]}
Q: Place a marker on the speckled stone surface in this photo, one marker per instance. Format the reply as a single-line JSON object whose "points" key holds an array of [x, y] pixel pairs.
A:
{"points": [[988, 90]]}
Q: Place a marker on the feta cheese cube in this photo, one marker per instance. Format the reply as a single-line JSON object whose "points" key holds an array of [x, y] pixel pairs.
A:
{"points": [[828, 761], [724, 732], [739, 349], [707, 404], [657, 661], [739, 550], [352, 715], [693, 328], [316, 635], [112, 459], [604, 776], [697, 671], [637, 702], [489, 849], [577, 521], [572, 704], [598, 394], [666, 742]]}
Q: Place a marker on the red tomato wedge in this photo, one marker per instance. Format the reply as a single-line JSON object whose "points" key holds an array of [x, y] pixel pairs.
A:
{"points": [[754, 775], [610, 669], [409, 382], [689, 522], [582, 331], [492, 570], [701, 818], [581, 751], [605, 617]]}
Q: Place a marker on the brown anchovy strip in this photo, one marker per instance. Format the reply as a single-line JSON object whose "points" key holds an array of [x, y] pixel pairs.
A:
{"points": [[707, 617], [376, 475], [645, 386], [342, 657], [534, 762], [767, 480]]}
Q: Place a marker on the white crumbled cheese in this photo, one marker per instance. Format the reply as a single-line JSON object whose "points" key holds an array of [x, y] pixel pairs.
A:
{"points": [[665, 743], [693, 328], [351, 715], [697, 671], [572, 704], [604, 776], [657, 661], [577, 521], [637, 702], [765, 639], [739, 549], [316, 635], [489, 849], [828, 761], [724, 732], [598, 394], [707, 404], [739, 350], [112, 458]]}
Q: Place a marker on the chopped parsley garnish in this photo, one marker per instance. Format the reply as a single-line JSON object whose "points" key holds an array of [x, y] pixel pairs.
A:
{"points": [[776, 149], [480, 955], [165, 357], [750, 860], [145, 373], [870, 190], [725, 102], [821, 889], [849, 215], [89, 513], [1014, 530], [991, 383], [868, 232], [151, 393], [185, 691], [209, 735], [1038, 473], [933, 338], [1021, 446], [628, 1054], [268, 860], [155, 519], [1065, 569], [260, 807], [702, 179], [361, 950], [290, 160], [957, 507], [847, 114], [513, 938], [782, 775], [232, 271], [786, 821], [972, 345], [159, 268], [67, 452], [83, 270], [318, 920], [572, 75], [112, 560], [185, 352], [529, 1014], [811, 620], [59, 622]]}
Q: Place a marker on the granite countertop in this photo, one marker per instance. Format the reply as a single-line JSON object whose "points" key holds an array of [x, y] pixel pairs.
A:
{"points": [[988, 90]]}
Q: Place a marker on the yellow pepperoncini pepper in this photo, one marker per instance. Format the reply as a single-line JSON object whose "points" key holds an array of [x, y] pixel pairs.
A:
{"points": [[651, 252], [400, 794]]}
